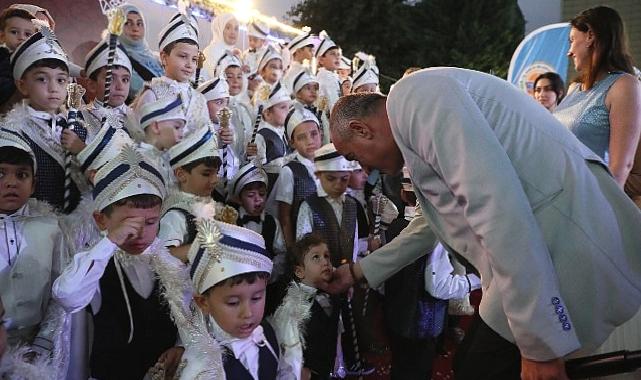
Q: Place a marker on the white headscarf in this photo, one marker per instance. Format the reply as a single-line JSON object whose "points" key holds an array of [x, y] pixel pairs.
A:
{"points": [[218, 27], [217, 47]]}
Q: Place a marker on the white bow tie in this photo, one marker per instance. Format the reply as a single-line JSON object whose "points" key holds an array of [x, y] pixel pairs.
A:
{"points": [[255, 340], [247, 350]]}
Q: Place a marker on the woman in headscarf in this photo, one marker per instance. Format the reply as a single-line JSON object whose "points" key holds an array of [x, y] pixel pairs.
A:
{"points": [[224, 30], [145, 62]]}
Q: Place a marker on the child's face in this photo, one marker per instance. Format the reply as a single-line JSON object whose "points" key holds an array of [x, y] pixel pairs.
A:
{"points": [[216, 105], [168, 132], [334, 183], [16, 30], [276, 114], [330, 60], [255, 42], [119, 89], [342, 73], [16, 186], [180, 63], [346, 87], [234, 76], [253, 200], [134, 28], [358, 179], [306, 139], [305, 53], [317, 266], [308, 94], [201, 181], [369, 87], [136, 244], [230, 33], [238, 309], [46, 88], [273, 71]]}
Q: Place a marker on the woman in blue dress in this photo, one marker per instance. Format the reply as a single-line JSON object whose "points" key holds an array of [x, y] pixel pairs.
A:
{"points": [[603, 108]]}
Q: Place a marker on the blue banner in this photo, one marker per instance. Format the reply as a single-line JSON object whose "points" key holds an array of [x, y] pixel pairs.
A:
{"points": [[544, 49]]}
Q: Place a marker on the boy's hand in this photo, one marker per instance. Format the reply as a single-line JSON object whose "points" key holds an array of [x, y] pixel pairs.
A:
{"points": [[71, 142], [252, 150], [170, 360], [226, 136], [128, 229], [374, 243]]}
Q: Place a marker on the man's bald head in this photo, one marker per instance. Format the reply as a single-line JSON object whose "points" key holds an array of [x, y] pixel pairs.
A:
{"points": [[353, 107], [361, 131]]}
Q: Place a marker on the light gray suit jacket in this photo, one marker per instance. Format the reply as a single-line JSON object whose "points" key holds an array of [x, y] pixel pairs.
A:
{"points": [[500, 181]]}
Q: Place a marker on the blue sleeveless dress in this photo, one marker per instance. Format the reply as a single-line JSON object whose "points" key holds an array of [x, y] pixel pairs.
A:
{"points": [[586, 115]]}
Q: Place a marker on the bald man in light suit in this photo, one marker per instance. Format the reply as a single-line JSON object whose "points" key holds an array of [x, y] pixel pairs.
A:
{"points": [[501, 182]]}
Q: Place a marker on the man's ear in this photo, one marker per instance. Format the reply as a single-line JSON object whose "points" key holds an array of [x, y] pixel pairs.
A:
{"points": [[361, 129]]}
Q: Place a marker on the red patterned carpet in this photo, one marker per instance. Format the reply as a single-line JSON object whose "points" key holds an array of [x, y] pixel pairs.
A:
{"points": [[378, 349]]}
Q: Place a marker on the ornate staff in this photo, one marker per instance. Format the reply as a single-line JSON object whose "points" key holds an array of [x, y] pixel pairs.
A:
{"points": [[322, 106], [223, 116], [381, 202], [74, 101], [263, 95], [117, 20], [199, 67]]}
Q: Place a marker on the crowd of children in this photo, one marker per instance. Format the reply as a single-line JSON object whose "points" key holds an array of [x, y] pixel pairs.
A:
{"points": [[190, 218]]}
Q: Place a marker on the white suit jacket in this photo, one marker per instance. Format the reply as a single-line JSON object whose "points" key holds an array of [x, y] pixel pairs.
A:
{"points": [[500, 181]]}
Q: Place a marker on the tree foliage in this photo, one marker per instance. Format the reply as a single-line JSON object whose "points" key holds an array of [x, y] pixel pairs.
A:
{"points": [[479, 35]]}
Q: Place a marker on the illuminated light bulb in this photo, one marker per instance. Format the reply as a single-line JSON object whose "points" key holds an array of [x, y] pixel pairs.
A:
{"points": [[243, 10]]}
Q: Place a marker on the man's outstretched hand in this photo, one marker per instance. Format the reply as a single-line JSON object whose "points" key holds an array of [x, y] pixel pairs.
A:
{"points": [[549, 370], [341, 280]]}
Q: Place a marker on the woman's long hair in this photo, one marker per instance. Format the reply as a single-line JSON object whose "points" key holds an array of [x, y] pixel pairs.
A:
{"points": [[611, 51]]}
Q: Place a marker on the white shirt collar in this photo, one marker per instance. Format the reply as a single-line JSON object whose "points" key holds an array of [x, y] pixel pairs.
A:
{"points": [[138, 269], [358, 194], [305, 161], [175, 83], [321, 193], [22, 211], [150, 149], [42, 115], [242, 212], [100, 107], [279, 130], [324, 72], [246, 350]]}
